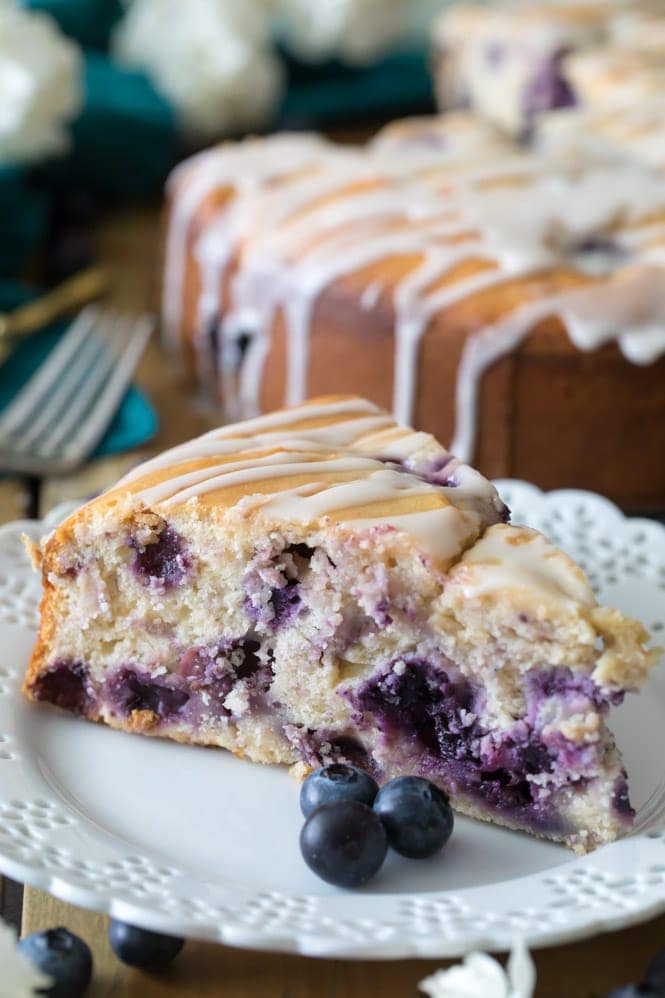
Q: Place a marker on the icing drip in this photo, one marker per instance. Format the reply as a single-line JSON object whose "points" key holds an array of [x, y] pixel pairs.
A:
{"points": [[628, 308], [497, 562], [304, 215], [240, 167]]}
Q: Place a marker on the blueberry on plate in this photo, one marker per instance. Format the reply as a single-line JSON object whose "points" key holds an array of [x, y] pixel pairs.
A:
{"points": [[416, 815], [344, 842], [655, 975], [635, 991], [336, 782], [141, 947], [63, 957]]}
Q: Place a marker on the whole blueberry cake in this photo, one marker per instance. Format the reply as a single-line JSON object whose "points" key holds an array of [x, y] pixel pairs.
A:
{"points": [[502, 299], [321, 584]]}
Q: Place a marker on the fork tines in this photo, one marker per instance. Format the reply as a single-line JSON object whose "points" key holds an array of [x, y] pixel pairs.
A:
{"points": [[61, 413]]}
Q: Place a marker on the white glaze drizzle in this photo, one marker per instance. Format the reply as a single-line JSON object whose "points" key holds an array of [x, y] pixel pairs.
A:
{"points": [[497, 562], [343, 460], [518, 215], [441, 532], [592, 314], [242, 166], [348, 483], [274, 428]]}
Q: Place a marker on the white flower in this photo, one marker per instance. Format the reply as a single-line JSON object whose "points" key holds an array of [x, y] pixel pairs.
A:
{"points": [[211, 59], [357, 31], [480, 976], [18, 978], [40, 84]]}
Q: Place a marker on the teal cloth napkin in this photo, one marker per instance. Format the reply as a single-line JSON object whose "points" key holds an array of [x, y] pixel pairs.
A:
{"points": [[24, 216], [135, 421], [125, 141], [89, 21], [331, 93]]}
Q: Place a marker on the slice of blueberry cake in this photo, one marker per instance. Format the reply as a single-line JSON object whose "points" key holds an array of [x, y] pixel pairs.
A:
{"points": [[322, 584]]}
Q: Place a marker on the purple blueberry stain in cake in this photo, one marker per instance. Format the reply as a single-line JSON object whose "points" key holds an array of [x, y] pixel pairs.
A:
{"points": [[621, 800], [596, 243], [325, 746], [213, 342], [438, 471], [74, 570], [207, 678], [245, 660], [281, 607], [576, 690], [548, 89], [211, 673], [418, 697], [503, 512], [426, 138], [285, 603], [432, 471], [128, 690], [303, 551], [66, 684], [272, 586], [163, 564], [494, 53], [438, 718], [448, 473], [382, 614], [597, 253]]}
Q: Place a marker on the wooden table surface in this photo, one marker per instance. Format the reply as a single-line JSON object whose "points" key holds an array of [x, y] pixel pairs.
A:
{"points": [[128, 246]]}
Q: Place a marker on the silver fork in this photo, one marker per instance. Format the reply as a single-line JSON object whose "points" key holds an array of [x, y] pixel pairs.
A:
{"points": [[59, 416]]}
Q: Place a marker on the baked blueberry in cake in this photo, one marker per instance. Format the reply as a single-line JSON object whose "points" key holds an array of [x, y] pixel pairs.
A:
{"points": [[505, 61], [321, 584], [513, 62]]}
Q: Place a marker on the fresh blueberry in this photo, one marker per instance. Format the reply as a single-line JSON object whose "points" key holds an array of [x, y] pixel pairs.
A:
{"points": [[336, 782], [141, 947], [63, 957], [655, 975], [416, 815], [634, 991], [344, 842]]}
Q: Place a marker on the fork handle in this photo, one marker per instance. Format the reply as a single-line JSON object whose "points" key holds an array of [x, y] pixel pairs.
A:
{"points": [[66, 297]]}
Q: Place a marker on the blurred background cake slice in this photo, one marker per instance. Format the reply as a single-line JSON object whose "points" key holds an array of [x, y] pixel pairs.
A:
{"points": [[504, 61]]}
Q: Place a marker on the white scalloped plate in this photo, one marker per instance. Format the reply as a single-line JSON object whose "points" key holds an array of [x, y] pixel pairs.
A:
{"points": [[196, 842]]}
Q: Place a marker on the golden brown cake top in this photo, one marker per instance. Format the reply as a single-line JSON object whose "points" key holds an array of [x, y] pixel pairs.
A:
{"points": [[616, 75], [614, 130], [337, 459]]}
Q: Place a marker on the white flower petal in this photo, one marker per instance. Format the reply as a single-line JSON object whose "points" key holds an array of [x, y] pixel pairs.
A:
{"points": [[40, 82], [211, 60], [358, 31], [481, 976], [521, 971]]}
